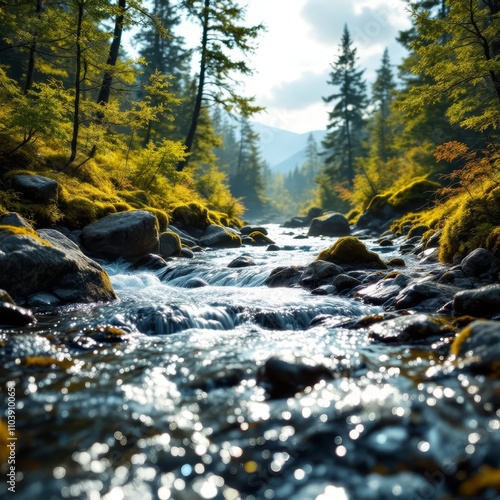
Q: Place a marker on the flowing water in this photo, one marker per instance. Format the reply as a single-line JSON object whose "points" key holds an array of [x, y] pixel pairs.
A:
{"points": [[157, 396]]}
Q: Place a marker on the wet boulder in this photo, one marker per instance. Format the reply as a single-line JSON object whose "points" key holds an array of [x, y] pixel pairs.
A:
{"points": [[37, 188], [150, 261], [405, 329], [49, 263], [170, 244], [127, 235], [246, 230], [344, 282], [282, 379], [284, 276], [260, 239], [242, 261], [480, 302], [216, 236], [331, 224], [481, 340], [318, 273], [383, 291], [424, 296], [481, 263], [351, 252]]}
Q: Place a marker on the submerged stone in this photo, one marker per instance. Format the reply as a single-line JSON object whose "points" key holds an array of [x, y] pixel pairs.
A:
{"points": [[284, 276], [282, 379], [15, 316], [405, 329]]}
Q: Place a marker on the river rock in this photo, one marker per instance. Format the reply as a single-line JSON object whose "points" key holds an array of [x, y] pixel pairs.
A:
{"points": [[260, 239], [15, 316], [282, 379], [284, 276], [480, 340], [331, 224], [405, 329], [242, 261], [484, 301], [14, 219], [316, 273], [170, 244], [424, 296], [250, 229], [127, 235], [37, 188], [383, 290], [344, 282], [350, 252], [150, 261], [481, 263], [186, 239], [219, 236], [49, 262]]}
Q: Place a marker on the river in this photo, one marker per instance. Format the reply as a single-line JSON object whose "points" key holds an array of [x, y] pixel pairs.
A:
{"points": [[161, 395]]}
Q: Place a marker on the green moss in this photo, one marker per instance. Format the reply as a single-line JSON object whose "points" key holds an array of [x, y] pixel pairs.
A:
{"points": [[415, 196], [474, 224], [459, 340], [79, 212], [161, 217], [260, 238], [378, 203], [353, 216], [493, 241], [192, 215], [122, 207], [22, 231], [350, 250]]}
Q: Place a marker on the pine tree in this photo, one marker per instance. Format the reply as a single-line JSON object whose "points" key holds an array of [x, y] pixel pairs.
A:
{"points": [[222, 36], [346, 120], [247, 180], [458, 51]]}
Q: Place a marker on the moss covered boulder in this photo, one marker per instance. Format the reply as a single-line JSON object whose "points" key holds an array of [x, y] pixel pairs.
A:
{"points": [[191, 216], [170, 244], [51, 265], [386, 207], [352, 252], [127, 235], [220, 237]]}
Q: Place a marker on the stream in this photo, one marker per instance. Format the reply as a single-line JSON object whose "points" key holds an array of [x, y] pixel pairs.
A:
{"points": [[160, 394]]}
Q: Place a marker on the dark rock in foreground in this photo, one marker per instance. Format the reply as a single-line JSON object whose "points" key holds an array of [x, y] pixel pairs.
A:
{"points": [[484, 301], [127, 235], [49, 264], [15, 316]]}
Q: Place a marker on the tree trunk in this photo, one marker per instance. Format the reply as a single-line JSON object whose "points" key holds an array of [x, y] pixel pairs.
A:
{"points": [[78, 83], [114, 49], [31, 61], [201, 84]]}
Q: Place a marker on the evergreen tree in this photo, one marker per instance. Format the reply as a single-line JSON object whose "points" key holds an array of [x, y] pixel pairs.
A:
{"points": [[346, 120], [247, 180], [222, 35], [458, 52]]}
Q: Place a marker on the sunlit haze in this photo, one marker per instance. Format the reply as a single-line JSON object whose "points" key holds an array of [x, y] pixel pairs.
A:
{"points": [[293, 58]]}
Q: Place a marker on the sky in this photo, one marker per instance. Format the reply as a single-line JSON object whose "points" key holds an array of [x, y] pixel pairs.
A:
{"points": [[292, 61]]}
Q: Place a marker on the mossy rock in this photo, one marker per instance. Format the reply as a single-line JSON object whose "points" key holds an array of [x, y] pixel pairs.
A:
{"points": [[350, 250], [79, 212], [493, 242], [22, 231], [473, 225], [191, 215], [260, 238], [161, 217], [415, 196]]}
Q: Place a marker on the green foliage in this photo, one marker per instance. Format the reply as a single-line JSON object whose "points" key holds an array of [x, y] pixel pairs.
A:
{"points": [[350, 250], [458, 51], [346, 120]]}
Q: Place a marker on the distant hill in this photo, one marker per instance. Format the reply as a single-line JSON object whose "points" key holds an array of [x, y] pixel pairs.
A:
{"points": [[284, 150]]}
